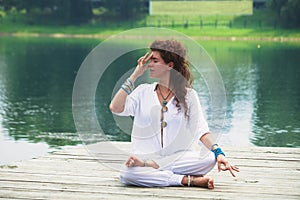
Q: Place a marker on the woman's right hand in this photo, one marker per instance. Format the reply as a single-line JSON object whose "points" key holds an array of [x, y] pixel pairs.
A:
{"points": [[141, 68], [134, 161]]}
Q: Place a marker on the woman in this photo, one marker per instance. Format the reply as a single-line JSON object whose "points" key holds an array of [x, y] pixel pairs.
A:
{"points": [[168, 120]]}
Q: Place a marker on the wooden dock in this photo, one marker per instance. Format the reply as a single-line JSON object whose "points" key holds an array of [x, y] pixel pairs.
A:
{"points": [[266, 173]]}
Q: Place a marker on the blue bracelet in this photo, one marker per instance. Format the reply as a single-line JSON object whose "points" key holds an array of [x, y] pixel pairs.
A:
{"points": [[218, 151]]}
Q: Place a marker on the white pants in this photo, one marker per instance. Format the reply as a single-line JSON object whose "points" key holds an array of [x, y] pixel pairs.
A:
{"points": [[189, 164]]}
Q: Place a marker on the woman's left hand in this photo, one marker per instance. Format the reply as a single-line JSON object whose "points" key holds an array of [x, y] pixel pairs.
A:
{"points": [[224, 165]]}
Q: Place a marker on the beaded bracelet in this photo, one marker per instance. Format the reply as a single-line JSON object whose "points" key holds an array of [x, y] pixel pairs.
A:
{"points": [[128, 86], [218, 151]]}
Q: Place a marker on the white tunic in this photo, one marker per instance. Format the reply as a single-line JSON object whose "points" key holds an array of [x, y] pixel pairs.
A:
{"points": [[179, 134]]}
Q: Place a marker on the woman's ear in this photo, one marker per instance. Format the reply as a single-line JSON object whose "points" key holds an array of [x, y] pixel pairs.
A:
{"points": [[171, 65]]}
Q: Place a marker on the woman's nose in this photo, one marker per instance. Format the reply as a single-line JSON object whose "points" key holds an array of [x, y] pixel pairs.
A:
{"points": [[150, 63]]}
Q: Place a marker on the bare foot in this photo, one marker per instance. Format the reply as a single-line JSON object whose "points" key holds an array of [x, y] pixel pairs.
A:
{"points": [[199, 181], [203, 181]]}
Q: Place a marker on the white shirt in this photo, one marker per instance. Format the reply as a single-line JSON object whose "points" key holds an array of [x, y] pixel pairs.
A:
{"points": [[180, 132]]}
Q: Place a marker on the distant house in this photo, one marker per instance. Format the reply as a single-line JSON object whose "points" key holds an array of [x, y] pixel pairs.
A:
{"points": [[259, 4]]}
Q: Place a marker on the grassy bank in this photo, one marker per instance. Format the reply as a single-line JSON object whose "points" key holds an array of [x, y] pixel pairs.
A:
{"points": [[105, 31], [259, 26]]}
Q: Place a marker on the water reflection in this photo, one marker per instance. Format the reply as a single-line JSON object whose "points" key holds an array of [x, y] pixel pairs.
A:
{"points": [[276, 118], [262, 92], [37, 76], [36, 87], [239, 75]]}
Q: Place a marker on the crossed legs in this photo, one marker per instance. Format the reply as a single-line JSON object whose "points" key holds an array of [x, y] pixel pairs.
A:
{"points": [[176, 174]]}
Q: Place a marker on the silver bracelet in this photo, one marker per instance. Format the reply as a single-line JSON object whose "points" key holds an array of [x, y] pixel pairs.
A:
{"points": [[125, 88], [130, 82], [128, 86], [189, 180]]}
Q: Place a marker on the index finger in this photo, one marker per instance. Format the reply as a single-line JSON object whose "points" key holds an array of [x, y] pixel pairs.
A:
{"points": [[148, 56], [231, 171], [228, 167], [232, 167]]}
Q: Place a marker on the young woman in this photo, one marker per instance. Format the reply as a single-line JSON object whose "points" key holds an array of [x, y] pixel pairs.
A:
{"points": [[168, 121]]}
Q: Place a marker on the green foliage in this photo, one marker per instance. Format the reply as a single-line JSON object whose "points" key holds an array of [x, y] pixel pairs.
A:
{"points": [[282, 13], [287, 12], [290, 13], [126, 9], [57, 11], [73, 11]]}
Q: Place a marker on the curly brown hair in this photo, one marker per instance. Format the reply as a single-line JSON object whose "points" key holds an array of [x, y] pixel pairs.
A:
{"points": [[180, 77]]}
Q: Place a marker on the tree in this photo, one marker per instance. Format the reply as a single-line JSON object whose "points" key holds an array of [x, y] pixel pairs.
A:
{"points": [[290, 14], [64, 11], [287, 12], [80, 11], [72, 11], [27, 5], [9, 4], [277, 5], [126, 9]]}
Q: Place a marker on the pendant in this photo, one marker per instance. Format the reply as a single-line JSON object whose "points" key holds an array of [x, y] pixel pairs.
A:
{"points": [[165, 102], [163, 124], [164, 109]]}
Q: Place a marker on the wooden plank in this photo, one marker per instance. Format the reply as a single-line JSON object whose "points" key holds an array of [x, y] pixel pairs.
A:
{"points": [[266, 173]]}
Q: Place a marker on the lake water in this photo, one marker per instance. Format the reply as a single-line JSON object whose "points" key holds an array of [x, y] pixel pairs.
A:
{"points": [[37, 76]]}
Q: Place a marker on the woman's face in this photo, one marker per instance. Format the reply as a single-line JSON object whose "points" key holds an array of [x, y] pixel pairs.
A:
{"points": [[158, 67]]}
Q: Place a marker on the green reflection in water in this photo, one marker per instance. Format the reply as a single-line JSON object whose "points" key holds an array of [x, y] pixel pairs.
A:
{"points": [[37, 77], [263, 90]]}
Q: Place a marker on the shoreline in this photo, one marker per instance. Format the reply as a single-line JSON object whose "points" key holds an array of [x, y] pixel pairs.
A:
{"points": [[105, 36]]}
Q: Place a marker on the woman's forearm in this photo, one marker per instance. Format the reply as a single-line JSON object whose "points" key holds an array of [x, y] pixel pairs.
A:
{"points": [[118, 103], [151, 163], [207, 140]]}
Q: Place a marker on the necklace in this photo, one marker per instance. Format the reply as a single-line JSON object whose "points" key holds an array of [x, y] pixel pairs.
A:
{"points": [[163, 109], [164, 98]]}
